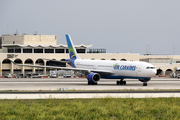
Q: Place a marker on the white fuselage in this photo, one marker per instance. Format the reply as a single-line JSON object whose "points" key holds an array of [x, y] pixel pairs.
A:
{"points": [[127, 69]]}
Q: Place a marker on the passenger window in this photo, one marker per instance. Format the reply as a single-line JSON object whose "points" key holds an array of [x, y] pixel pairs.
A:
{"points": [[150, 68]]}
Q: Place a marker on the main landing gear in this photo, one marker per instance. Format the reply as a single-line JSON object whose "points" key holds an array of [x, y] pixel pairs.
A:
{"points": [[121, 82], [92, 83], [144, 81], [144, 84]]}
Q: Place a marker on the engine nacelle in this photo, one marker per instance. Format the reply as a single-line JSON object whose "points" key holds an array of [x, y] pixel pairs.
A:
{"points": [[145, 80], [93, 77]]}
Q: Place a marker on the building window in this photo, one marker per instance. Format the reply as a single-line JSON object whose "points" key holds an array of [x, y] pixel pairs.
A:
{"points": [[59, 50], [54, 63], [96, 50], [40, 61], [38, 50], [49, 50], [17, 50], [6, 61], [25, 50], [80, 50], [145, 60], [10, 50], [67, 51], [18, 61], [28, 61], [123, 59], [13, 42]]}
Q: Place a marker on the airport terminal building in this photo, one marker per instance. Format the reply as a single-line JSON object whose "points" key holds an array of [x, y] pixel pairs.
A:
{"points": [[30, 49]]}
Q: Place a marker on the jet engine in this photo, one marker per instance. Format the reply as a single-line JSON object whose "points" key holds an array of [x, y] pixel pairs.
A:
{"points": [[144, 80], [93, 77]]}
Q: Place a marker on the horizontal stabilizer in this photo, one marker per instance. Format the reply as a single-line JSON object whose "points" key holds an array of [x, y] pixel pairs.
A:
{"points": [[164, 65]]}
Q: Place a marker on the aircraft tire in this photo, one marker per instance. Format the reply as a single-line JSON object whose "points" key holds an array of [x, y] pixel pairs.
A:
{"points": [[121, 82], [92, 83], [144, 84], [89, 83], [118, 82], [124, 82]]}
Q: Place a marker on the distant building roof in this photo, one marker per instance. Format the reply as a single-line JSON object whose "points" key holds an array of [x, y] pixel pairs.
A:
{"points": [[43, 46]]}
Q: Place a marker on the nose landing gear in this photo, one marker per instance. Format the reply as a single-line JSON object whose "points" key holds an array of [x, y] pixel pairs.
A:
{"points": [[144, 84], [144, 81], [91, 83]]}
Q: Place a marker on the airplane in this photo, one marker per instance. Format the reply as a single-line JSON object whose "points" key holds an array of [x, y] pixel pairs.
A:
{"points": [[97, 69]]}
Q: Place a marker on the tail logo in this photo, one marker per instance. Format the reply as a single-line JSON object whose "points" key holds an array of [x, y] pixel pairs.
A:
{"points": [[72, 56], [71, 52]]}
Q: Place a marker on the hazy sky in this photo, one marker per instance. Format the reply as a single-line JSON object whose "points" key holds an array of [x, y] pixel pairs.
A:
{"points": [[120, 26]]}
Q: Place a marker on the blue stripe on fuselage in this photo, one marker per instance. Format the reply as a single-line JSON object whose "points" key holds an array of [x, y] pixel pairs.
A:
{"points": [[122, 77]]}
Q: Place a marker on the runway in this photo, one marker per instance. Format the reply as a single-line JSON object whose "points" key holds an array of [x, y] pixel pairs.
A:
{"points": [[39, 84], [81, 84]]}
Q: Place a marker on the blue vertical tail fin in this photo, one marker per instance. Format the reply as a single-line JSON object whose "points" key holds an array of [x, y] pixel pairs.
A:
{"points": [[72, 51]]}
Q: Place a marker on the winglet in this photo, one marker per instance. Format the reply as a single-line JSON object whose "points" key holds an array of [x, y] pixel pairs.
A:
{"points": [[13, 62], [72, 51]]}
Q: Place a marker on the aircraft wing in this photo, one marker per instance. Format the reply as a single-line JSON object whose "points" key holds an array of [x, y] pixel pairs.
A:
{"points": [[164, 65], [56, 67], [101, 72]]}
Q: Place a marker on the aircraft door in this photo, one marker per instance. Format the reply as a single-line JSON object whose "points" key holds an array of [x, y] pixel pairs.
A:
{"points": [[138, 71]]}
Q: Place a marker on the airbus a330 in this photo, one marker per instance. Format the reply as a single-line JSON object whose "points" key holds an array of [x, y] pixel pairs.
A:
{"points": [[97, 69]]}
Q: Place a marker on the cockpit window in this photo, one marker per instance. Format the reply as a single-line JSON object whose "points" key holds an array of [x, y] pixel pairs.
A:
{"points": [[150, 68]]}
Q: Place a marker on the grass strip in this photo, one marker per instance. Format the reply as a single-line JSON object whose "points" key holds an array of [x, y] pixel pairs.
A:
{"points": [[86, 109]]}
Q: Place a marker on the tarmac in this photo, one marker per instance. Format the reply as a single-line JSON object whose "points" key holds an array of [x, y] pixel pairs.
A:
{"points": [[73, 84]]}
